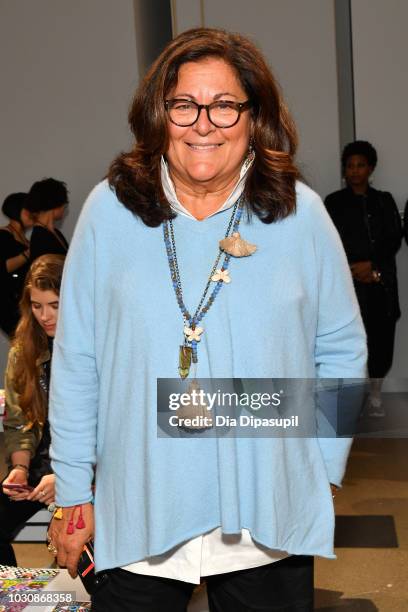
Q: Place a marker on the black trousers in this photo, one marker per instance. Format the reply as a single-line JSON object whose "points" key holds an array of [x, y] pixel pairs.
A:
{"points": [[380, 343], [284, 586], [13, 515], [379, 322]]}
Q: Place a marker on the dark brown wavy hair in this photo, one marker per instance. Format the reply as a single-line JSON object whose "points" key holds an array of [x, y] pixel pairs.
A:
{"points": [[270, 185], [30, 340]]}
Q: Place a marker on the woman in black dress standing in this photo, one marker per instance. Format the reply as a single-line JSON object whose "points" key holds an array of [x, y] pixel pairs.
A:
{"points": [[369, 224], [47, 200], [14, 259]]}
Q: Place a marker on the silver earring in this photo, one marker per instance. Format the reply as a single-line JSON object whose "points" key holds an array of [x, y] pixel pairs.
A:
{"points": [[251, 154]]}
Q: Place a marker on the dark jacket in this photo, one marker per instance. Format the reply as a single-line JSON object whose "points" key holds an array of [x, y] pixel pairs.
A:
{"points": [[370, 228]]}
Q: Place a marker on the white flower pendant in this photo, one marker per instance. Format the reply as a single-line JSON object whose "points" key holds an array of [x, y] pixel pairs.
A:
{"points": [[221, 275], [193, 334]]}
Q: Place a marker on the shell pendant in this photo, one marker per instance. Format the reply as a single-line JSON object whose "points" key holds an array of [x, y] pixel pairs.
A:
{"points": [[236, 246]]}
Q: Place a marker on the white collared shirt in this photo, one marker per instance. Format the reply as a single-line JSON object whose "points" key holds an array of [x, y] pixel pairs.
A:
{"points": [[177, 206]]}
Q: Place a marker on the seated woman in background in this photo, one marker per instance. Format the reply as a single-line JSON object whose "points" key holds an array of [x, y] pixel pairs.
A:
{"points": [[30, 480], [47, 200], [14, 259], [369, 225]]}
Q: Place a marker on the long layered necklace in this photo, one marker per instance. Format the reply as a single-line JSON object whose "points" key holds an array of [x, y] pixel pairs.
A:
{"points": [[231, 245]]}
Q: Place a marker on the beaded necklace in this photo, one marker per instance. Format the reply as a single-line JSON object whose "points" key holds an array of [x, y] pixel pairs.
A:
{"points": [[192, 332]]}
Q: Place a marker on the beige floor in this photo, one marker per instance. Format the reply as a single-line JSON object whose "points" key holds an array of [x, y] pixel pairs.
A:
{"points": [[368, 579], [361, 579]]}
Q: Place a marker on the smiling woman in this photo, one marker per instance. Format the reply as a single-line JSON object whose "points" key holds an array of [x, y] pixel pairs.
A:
{"points": [[204, 158], [232, 70], [205, 257]]}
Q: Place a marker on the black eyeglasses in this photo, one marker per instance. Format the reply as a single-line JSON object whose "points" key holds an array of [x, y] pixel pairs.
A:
{"points": [[222, 114]]}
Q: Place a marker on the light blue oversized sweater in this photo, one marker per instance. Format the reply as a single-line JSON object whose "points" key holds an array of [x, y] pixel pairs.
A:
{"points": [[290, 311]]}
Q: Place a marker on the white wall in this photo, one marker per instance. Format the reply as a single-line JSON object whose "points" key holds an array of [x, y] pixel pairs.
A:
{"points": [[68, 71], [298, 39], [380, 50]]}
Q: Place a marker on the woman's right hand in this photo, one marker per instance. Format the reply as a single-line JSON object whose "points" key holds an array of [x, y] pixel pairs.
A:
{"points": [[44, 492], [16, 476], [70, 546], [362, 271]]}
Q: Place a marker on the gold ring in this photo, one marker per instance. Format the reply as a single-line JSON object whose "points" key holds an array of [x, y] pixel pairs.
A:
{"points": [[52, 548]]}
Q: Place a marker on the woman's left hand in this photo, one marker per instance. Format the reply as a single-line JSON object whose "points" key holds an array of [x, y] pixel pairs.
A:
{"points": [[44, 492], [16, 476]]}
